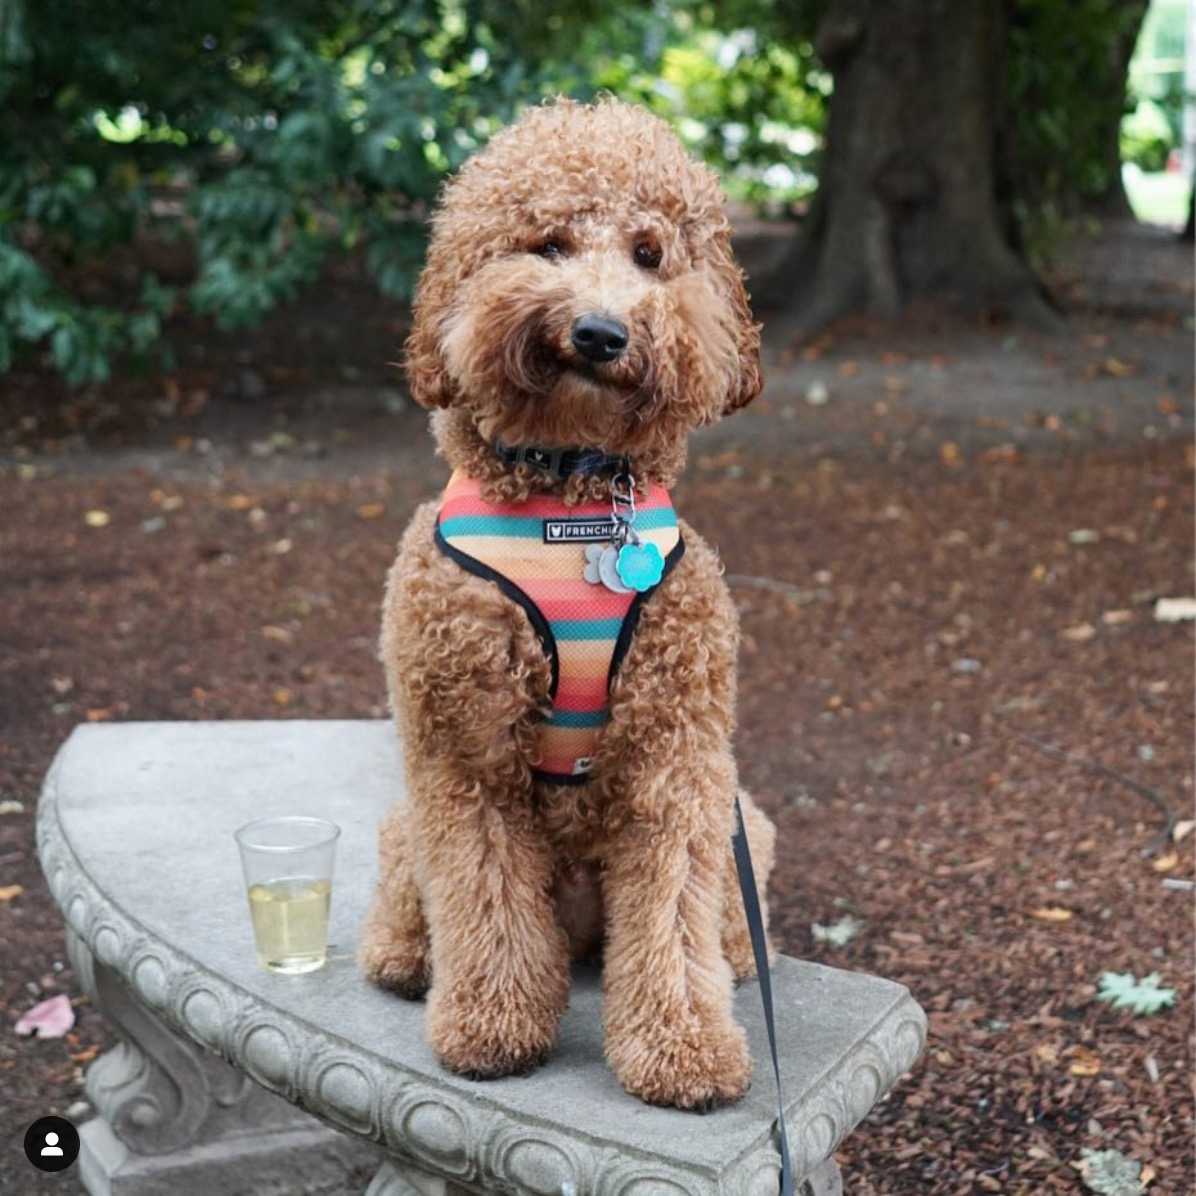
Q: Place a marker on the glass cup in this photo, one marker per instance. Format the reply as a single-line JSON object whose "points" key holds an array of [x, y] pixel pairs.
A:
{"points": [[288, 871]]}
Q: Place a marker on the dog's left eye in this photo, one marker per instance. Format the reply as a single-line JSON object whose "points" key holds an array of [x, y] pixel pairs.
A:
{"points": [[646, 255], [550, 249]]}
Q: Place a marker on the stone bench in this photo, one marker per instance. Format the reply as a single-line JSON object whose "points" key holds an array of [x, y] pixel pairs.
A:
{"points": [[230, 1079]]}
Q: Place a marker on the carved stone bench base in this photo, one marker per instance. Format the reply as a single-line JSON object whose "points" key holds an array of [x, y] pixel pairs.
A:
{"points": [[176, 1120], [391, 1181], [308, 1160]]}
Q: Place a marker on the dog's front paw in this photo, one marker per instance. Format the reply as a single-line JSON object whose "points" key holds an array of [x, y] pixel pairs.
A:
{"points": [[396, 962], [484, 1037], [697, 1071]]}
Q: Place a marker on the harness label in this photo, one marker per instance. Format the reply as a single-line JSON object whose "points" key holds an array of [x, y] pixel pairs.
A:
{"points": [[578, 529]]}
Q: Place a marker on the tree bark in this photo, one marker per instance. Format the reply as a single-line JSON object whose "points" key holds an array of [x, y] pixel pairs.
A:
{"points": [[1114, 202], [907, 203]]}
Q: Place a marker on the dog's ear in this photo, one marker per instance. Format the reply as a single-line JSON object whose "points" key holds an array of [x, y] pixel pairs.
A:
{"points": [[423, 361], [748, 381]]}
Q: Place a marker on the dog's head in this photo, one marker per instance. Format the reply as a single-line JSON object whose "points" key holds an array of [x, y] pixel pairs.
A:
{"points": [[580, 289]]}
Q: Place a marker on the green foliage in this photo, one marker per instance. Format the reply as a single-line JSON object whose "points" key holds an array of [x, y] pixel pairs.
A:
{"points": [[752, 106], [1065, 78], [1122, 990], [1146, 137], [270, 132]]}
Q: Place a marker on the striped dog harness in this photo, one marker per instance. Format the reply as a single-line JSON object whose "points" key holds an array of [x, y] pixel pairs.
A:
{"points": [[535, 552]]}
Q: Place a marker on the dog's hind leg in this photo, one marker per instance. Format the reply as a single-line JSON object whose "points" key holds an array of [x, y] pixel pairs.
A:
{"points": [[394, 951], [762, 837]]}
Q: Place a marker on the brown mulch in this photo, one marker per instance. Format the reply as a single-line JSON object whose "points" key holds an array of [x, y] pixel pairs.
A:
{"points": [[905, 629]]}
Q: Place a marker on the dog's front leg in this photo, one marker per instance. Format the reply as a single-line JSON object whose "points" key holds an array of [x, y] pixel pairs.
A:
{"points": [[466, 676], [499, 960], [670, 1036]]}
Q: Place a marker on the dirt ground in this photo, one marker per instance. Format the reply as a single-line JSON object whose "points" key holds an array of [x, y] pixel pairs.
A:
{"points": [[946, 542]]}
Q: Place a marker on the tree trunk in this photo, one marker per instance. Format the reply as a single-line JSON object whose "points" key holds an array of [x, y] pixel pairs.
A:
{"points": [[907, 204], [1114, 203]]}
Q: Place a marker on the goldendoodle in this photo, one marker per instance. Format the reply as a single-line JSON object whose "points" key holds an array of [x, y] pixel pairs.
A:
{"points": [[559, 647]]}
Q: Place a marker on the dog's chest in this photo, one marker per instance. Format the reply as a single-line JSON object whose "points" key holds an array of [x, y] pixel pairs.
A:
{"points": [[536, 552]]}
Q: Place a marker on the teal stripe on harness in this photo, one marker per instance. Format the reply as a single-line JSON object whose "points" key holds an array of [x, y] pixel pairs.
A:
{"points": [[578, 718], [586, 629], [531, 527]]}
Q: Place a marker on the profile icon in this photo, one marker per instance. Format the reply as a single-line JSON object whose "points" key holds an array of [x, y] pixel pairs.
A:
{"points": [[51, 1144]]}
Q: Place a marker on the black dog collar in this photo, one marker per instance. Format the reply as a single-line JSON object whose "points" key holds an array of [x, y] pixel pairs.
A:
{"points": [[563, 462]]}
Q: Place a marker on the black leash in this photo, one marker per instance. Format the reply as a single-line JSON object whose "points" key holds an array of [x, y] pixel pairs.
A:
{"points": [[751, 907]]}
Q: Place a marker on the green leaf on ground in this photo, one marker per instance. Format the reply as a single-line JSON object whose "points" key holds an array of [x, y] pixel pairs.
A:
{"points": [[1123, 990], [1110, 1173]]}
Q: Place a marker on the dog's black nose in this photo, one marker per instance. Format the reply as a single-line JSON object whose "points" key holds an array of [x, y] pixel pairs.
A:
{"points": [[599, 338]]}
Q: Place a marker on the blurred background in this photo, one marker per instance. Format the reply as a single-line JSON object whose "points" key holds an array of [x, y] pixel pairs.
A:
{"points": [[957, 524], [217, 158]]}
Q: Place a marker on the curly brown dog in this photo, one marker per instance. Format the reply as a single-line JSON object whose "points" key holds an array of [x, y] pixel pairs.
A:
{"points": [[580, 294]]}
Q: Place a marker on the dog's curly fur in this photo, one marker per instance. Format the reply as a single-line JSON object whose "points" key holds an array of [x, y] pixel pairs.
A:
{"points": [[491, 880]]}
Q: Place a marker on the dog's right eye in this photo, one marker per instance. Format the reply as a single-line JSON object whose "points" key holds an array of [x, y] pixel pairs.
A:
{"points": [[550, 249]]}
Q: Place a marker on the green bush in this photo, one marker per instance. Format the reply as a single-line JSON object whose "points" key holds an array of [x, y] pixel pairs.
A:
{"points": [[268, 133], [1146, 137]]}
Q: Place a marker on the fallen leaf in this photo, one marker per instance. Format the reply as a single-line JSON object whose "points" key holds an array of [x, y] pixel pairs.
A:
{"points": [[51, 1018], [1122, 990], [282, 696], [1079, 634], [1047, 1053], [949, 453], [1175, 610], [1166, 863], [280, 634], [837, 934], [1182, 830], [1116, 368], [86, 1055], [1148, 1174], [8, 892], [1084, 1062], [1051, 913], [9, 806], [97, 518], [1115, 617], [281, 547], [99, 714], [371, 510], [1110, 1173], [239, 502], [1083, 535]]}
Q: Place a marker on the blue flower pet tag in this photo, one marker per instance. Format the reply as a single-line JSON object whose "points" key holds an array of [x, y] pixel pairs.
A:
{"points": [[640, 566]]}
